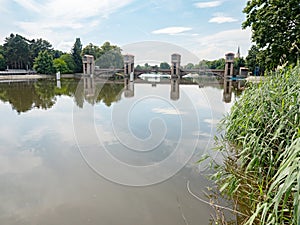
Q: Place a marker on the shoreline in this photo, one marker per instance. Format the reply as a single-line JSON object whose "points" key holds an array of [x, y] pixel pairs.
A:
{"points": [[34, 76]]}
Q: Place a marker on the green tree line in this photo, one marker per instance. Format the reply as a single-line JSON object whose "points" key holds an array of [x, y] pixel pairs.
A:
{"points": [[18, 52]]}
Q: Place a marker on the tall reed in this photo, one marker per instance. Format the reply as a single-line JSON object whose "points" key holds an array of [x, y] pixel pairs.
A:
{"points": [[261, 146]]}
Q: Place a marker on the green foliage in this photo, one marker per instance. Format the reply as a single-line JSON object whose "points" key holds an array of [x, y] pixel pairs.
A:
{"points": [[110, 93], [69, 61], [106, 56], [60, 65], [254, 62], [56, 54], [2, 62], [93, 50], [37, 46], [238, 62], [107, 47], [206, 64], [275, 29], [76, 54], [1, 50], [216, 64], [111, 59], [189, 66], [146, 66], [19, 52], [164, 65], [16, 52], [23, 96], [262, 147], [44, 63]]}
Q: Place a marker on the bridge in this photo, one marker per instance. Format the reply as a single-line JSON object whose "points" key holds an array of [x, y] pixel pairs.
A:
{"points": [[175, 71], [182, 72]]}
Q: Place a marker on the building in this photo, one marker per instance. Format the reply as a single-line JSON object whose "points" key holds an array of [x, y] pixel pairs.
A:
{"points": [[238, 54]]}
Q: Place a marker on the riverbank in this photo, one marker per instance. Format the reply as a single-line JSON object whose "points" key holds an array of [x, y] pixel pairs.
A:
{"points": [[261, 145], [33, 76]]}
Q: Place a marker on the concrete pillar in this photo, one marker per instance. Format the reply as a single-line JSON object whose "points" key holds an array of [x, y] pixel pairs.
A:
{"points": [[175, 91], [88, 63], [175, 65], [128, 88], [89, 86], [128, 64], [229, 60], [227, 94]]}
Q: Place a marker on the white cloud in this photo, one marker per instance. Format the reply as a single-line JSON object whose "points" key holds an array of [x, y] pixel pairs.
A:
{"points": [[213, 122], [167, 111], [3, 9], [171, 30], [156, 51], [20, 163], [222, 19], [61, 21], [210, 4], [78, 9], [29, 5], [215, 46]]}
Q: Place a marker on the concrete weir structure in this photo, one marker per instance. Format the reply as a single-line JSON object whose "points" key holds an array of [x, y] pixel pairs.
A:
{"points": [[228, 73], [88, 63], [128, 64], [229, 60], [175, 65], [176, 71]]}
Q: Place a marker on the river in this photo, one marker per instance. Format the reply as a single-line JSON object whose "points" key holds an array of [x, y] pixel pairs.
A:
{"points": [[89, 152]]}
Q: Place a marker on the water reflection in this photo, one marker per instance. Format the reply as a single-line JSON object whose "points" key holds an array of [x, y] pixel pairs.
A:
{"points": [[227, 94], [44, 179], [175, 91], [24, 96], [229, 86], [42, 94], [128, 88]]}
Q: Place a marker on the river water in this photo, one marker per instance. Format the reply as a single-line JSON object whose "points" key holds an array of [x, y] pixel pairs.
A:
{"points": [[89, 152]]}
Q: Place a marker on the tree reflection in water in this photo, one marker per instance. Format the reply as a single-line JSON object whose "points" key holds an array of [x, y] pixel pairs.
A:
{"points": [[42, 94]]}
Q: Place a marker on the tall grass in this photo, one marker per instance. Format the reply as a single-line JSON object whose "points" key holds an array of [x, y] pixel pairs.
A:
{"points": [[261, 145]]}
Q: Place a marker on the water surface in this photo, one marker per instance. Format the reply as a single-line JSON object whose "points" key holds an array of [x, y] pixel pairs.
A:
{"points": [[84, 152]]}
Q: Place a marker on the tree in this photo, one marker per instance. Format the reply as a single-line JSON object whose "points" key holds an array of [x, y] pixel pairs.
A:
{"points": [[2, 59], [254, 62], [138, 67], [189, 66], [37, 46], [164, 65], [44, 63], [60, 65], [2, 62], [56, 54], [238, 63], [275, 29], [106, 47], [69, 61], [93, 50], [16, 52], [147, 66], [110, 56], [76, 54]]}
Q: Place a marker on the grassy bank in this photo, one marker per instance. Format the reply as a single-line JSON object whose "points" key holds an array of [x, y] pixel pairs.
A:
{"points": [[261, 144]]}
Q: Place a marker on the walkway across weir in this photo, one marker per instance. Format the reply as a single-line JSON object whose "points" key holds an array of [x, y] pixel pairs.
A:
{"points": [[175, 71]]}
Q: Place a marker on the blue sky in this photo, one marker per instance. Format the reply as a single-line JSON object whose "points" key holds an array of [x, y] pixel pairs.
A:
{"points": [[207, 28]]}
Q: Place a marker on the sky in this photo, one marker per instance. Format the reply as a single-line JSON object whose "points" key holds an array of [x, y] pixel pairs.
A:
{"points": [[206, 28]]}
